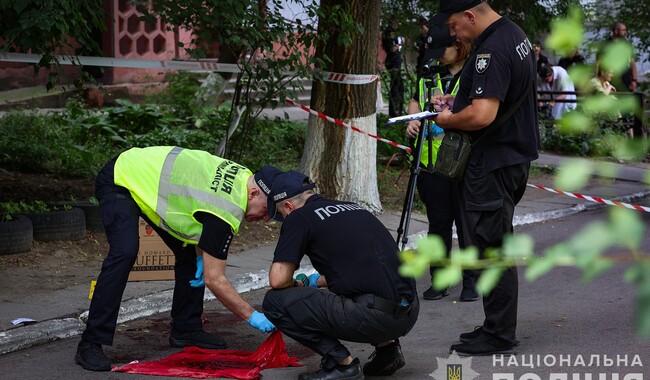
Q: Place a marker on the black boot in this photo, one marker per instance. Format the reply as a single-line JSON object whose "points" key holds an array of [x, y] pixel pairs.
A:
{"points": [[432, 294], [351, 371], [385, 360], [91, 357], [197, 338]]}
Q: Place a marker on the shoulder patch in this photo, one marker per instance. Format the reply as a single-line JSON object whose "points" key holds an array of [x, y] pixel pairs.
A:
{"points": [[482, 62]]}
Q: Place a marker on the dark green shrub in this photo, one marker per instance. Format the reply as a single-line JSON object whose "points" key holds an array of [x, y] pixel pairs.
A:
{"points": [[275, 142], [28, 142]]}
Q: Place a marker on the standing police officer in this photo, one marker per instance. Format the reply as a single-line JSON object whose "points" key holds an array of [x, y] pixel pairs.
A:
{"points": [[362, 297], [500, 71], [446, 57], [195, 201]]}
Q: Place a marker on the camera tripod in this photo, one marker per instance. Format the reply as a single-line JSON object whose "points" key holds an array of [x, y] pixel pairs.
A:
{"points": [[427, 126]]}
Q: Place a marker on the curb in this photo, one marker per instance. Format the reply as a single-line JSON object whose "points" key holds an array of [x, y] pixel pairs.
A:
{"points": [[54, 329]]}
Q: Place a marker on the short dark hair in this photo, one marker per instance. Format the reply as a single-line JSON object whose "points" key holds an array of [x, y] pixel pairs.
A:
{"points": [[545, 70]]}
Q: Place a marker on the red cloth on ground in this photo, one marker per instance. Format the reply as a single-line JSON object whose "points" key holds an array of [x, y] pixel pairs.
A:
{"points": [[200, 363]]}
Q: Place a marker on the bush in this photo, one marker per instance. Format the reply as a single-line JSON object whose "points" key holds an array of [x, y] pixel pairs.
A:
{"points": [[29, 141], [275, 142]]}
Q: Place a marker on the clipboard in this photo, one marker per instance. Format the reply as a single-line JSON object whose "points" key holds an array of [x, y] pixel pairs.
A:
{"points": [[415, 116]]}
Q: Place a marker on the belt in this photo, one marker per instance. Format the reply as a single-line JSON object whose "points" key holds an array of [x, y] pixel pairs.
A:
{"points": [[382, 304]]}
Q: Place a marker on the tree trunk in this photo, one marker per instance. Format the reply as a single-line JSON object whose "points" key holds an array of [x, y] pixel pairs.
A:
{"points": [[341, 161]]}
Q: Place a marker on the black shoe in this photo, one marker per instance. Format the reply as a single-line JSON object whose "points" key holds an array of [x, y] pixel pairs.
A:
{"points": [[198, 338], [469, 336], [91, 357], [432, 294], [481, 346], [468, 294], [343, 372], [385, 360]]}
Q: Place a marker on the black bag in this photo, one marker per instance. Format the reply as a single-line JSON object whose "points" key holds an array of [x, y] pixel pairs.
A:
{"points": [[453, 155]]}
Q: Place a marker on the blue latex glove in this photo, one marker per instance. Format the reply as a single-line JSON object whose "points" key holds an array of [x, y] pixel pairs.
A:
{"points": [[198, 282], [435, 130], [260, 322], [311, 280]]}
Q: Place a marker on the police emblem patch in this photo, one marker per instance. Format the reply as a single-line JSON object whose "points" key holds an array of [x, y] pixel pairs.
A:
{"points": [[454, 368], [482, 62]]}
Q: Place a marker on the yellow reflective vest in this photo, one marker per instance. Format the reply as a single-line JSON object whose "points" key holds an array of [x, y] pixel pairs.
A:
{"points": [[437, 140], [170, 184]]}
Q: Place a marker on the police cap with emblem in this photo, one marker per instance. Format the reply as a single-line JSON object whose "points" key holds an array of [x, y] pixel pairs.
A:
{"points": [[281, 185], [438, 39], [449, 7], [264, 179]]}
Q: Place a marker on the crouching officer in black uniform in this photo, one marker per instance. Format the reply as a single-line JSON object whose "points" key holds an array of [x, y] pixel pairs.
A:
{"points": [[363, 297]]}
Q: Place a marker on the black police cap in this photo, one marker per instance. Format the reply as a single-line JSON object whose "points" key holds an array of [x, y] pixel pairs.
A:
{"points": [[449, 7]]}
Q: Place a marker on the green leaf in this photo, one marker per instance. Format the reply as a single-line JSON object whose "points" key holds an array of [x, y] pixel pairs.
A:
{"points": [[588, 244], [627, 149], [574, 123], [489, 279], [566, 33], [627, 228], [464, 257], [432, 248], [538, 267], [520, 245], [581, 75], [413, 265], [595, 268], [573, 174], [615, 56], [446, 277], [643, 305], [633, 274]]}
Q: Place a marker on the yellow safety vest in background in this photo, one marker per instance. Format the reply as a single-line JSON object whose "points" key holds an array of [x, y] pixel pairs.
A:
{"points": [[170, 184], [437, 140]]}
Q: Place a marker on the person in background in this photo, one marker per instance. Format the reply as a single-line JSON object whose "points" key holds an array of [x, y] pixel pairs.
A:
{"points": [[496, 101], [392, 44], [420, 43], [357, 293], [195, 201], [601, 83], [556, 79], [573, 59], [628, 79], [540, 58], [440, 196]]}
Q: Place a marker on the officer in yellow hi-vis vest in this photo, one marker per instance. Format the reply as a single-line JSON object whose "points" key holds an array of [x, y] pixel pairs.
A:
{"points": [[446, 57], [195, 201]]}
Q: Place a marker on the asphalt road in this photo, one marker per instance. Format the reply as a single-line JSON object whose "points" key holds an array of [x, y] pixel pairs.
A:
{"points": [[559, 317]]}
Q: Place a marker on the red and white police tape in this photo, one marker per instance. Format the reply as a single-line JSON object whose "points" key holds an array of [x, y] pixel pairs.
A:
{"points": [[328, 76], [593, 199], [203, 65], [342, 124], [574, 195]]}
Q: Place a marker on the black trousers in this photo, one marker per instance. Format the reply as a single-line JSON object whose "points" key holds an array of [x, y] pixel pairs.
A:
{"points": [[396, 92], [488, 202], [318, 318], [120, 215], [442, 200]]}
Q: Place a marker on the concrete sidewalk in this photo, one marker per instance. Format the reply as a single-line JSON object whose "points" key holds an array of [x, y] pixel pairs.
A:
{"points": [[60, 313]]}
